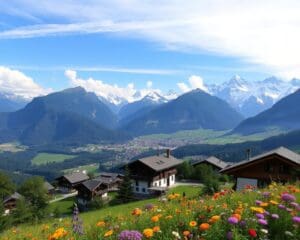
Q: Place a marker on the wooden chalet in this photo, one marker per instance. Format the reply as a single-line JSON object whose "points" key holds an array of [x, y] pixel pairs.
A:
{"points": [[216, 163], [113, 180], [281, 165], [67, 183], [10, 202], [153, 174], [90, 189], [50, 188]]}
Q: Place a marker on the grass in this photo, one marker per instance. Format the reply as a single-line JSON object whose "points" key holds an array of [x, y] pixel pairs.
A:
{"points": [[89, 168], [207, 136], [44, 158], [206, 217], [64, 207]]}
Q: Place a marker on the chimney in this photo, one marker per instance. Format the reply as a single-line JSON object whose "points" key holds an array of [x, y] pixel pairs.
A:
{"points": [[168, 151], [248, 151]]}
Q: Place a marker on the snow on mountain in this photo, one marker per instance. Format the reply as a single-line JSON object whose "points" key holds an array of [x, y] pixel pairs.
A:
{"points": [[250, 98]]}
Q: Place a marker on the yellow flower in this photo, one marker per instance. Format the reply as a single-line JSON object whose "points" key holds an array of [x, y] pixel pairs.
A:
{"points": [[193, 223], [100, 224], [148, 232], [155, 218], [263, 204], [108, 233], [274, 202], [257, 209], [169, 217]]}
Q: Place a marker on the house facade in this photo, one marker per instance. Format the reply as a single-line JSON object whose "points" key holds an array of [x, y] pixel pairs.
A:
{"points": [[153, 174], [68, 182], [279, 165], [90, 189], [10, 202]]}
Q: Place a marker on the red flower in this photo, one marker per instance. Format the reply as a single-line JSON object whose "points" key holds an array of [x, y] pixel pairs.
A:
{"points": [[252, 233]]}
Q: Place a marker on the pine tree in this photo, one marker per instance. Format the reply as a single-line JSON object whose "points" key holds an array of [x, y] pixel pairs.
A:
{"points": [[125, 193]]}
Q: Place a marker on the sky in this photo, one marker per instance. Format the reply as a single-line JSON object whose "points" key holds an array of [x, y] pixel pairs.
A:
{"points": [[125, 45]]}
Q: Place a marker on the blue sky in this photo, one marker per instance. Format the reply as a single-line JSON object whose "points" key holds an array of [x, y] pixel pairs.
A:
{"points": [[124, 42]]}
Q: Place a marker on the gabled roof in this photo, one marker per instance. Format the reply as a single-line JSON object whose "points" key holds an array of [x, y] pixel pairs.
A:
{"points": [[76, 177], [111, 175], [159, 163], [214, 161], [14, 196], [48, 186], [281, 151], [92, 184]]}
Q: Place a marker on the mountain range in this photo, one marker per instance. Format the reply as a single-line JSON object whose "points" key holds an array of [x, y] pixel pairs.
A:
{"points": [[248, 97], [285, 114]]}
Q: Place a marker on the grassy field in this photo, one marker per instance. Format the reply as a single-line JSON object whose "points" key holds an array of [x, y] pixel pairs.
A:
{"points": [[216, 217], [44, 158], [89, 168], [207, 136]]}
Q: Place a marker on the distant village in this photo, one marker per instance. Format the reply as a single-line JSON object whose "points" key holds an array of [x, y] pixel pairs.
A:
{"points": [[156, 174]]}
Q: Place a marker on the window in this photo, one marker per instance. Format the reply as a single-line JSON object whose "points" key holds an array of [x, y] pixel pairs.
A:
{"points": [[144, 190], [284, 169], [136, 189], [136, 183]]}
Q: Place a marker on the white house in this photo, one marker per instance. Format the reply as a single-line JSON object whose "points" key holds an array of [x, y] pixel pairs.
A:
{"points": [[153, 174]]}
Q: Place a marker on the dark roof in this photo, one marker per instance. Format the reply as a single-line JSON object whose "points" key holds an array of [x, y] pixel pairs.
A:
{"points": [[48, 186], [110, 175], [107, 180], [14, 196], [214, 161], [159, 163], [281, 151], [92, 184], [76, 177]]}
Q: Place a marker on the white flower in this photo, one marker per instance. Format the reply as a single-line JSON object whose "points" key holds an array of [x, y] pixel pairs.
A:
{"points": [[288, 233], [265, 231], [176, 234]]}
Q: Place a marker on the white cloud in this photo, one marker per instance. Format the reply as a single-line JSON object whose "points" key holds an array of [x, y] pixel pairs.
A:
{"points": [[112, 92], [183, 87], [16, 84], [149, 84], [195, 82], [265, 33]]}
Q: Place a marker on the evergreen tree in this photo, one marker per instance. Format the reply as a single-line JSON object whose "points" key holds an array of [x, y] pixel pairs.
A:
{"points": [[125, 193], [6, 186]]}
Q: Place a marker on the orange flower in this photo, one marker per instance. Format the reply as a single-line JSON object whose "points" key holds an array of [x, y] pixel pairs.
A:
{"points": [[237, 216], [156, 229], [136, 212], [215, 218], [204, 226], [193, 223], [169, 217], [186, 233], [108, 233], [148, 232], [155, 218], [100, 224]]}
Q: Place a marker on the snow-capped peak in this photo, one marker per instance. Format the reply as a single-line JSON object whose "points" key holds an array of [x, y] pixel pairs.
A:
{"points": [[155, 97]]}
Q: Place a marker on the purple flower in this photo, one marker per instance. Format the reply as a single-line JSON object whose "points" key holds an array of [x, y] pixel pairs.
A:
{"points": [[260, 216], [232, 220], [294, 204], [288, 197], [266, 194], [275, 216], [130, 235], [229, 235], [243, 223], [296, 219], [281, 206], [258, 202], [262, 222]]}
